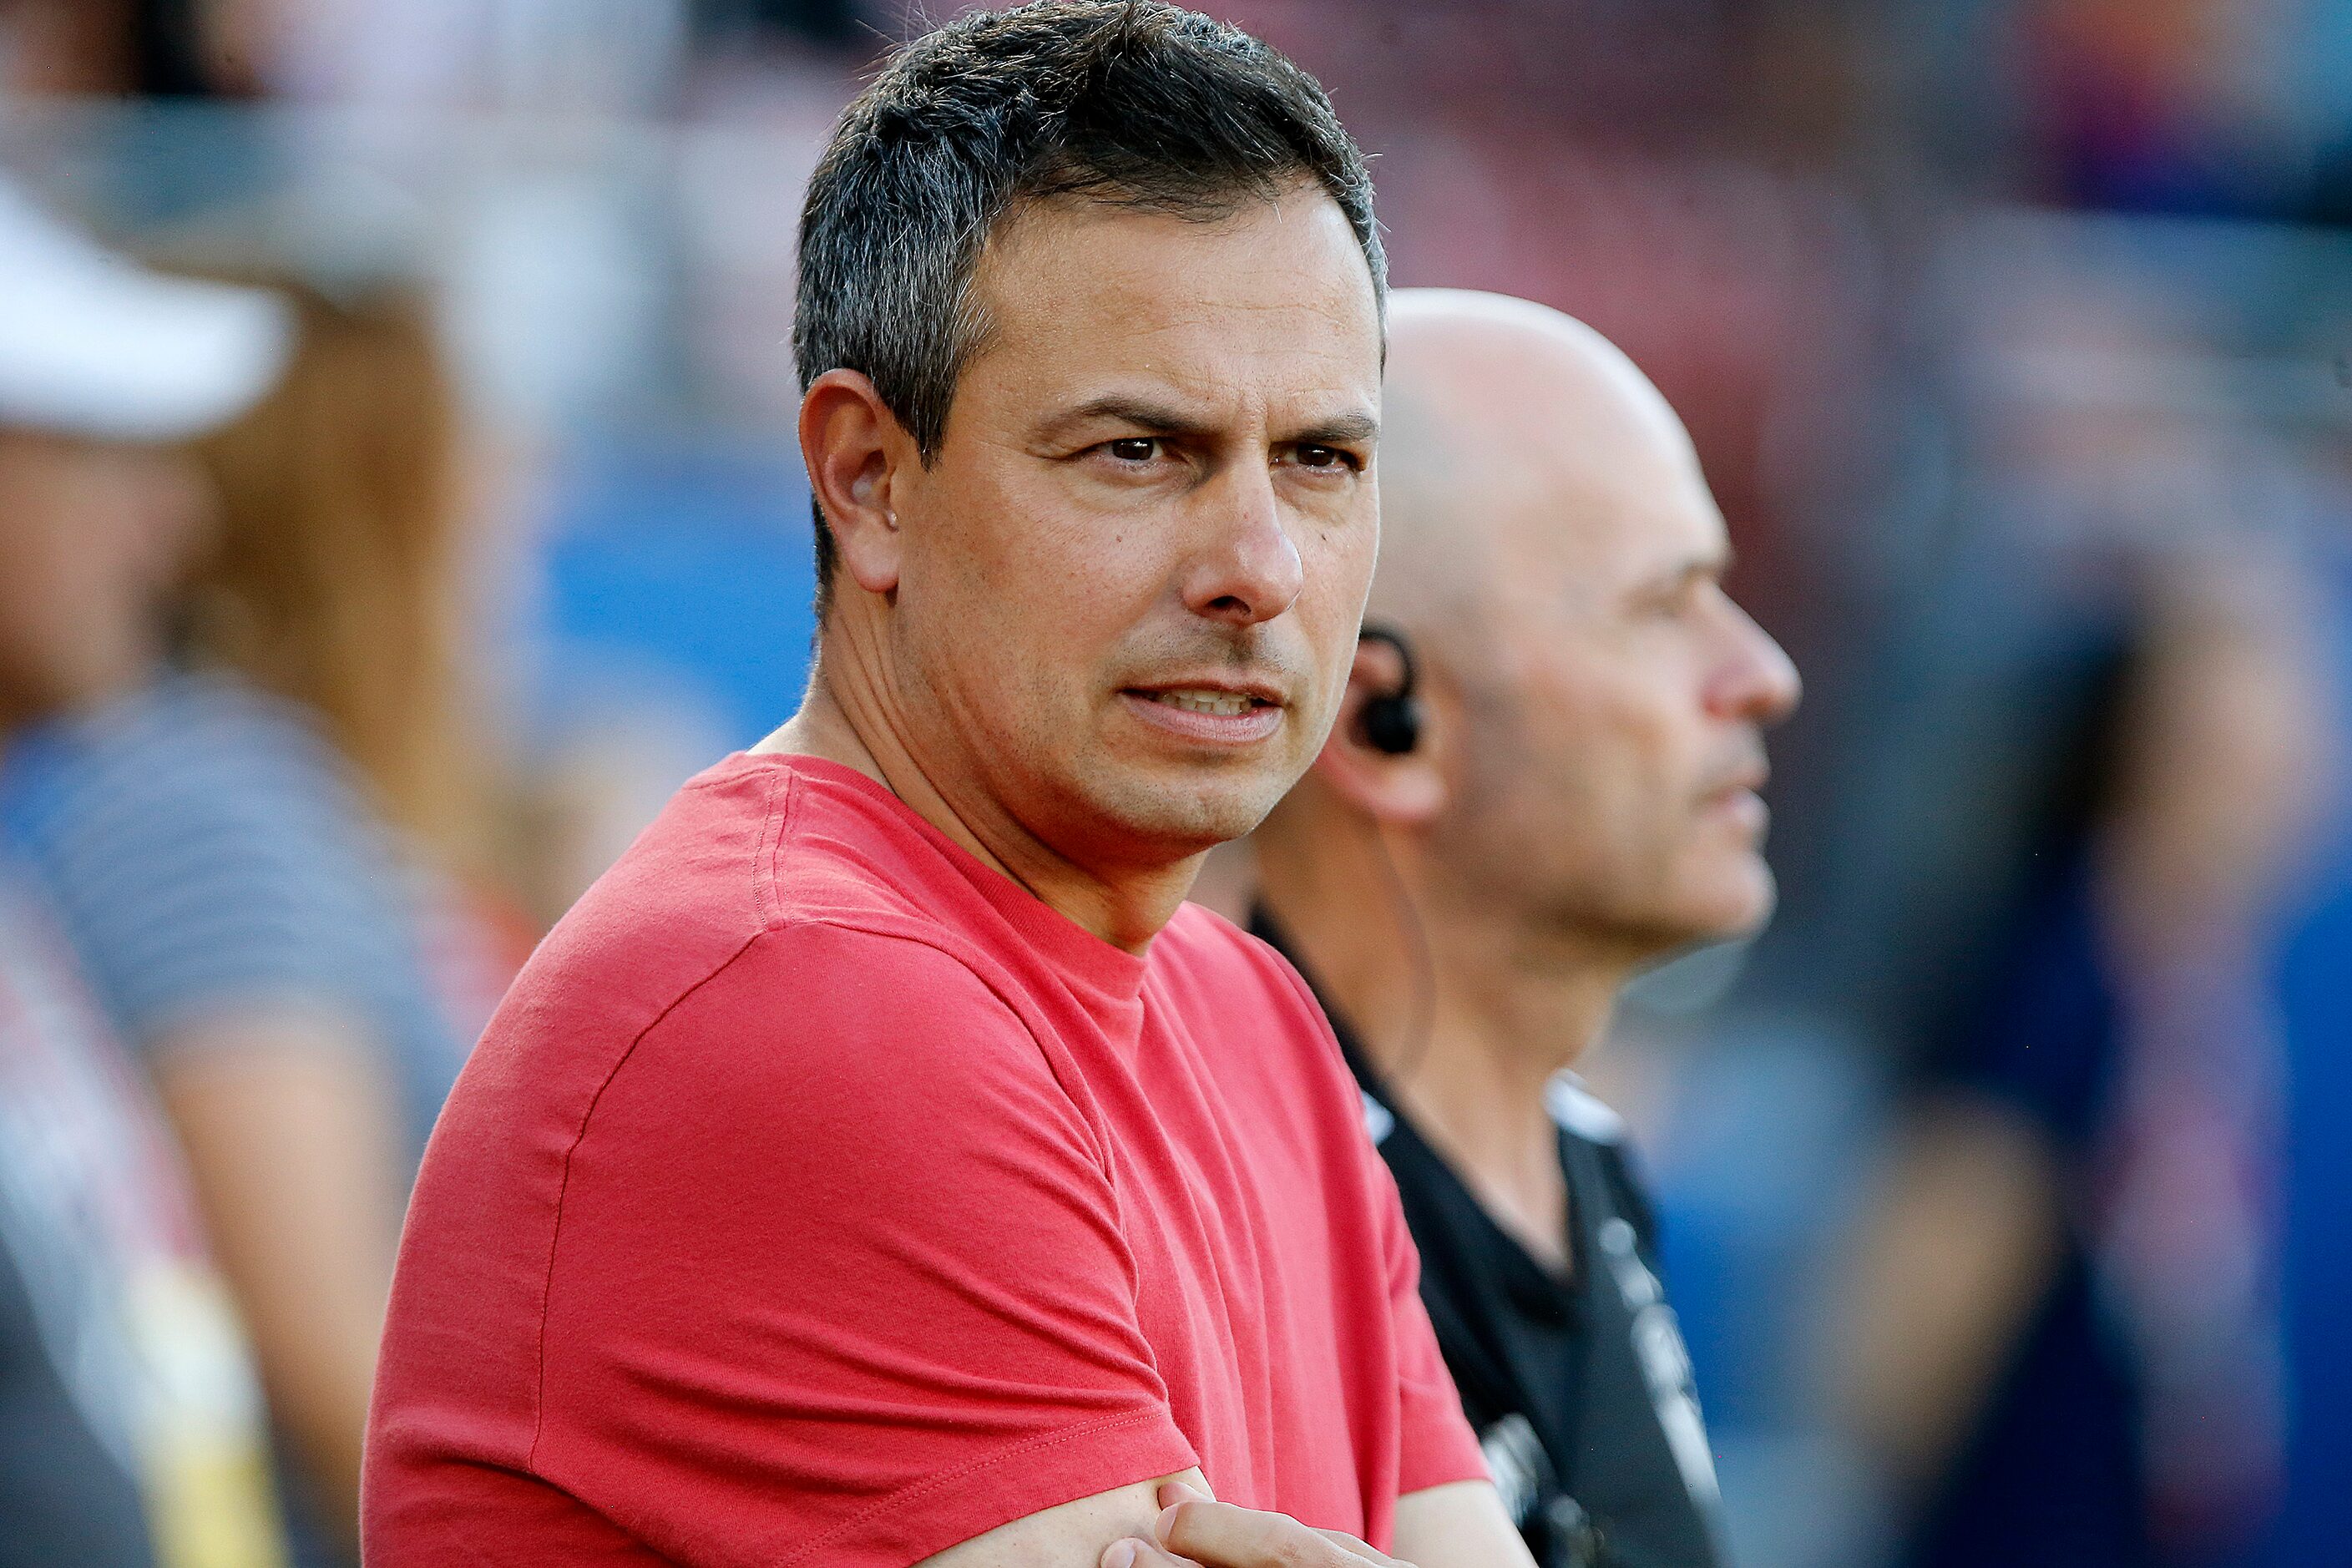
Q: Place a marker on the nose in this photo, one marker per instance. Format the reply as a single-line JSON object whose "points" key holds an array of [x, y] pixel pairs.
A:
{"points": [[1246, 568], [1756, 682]]}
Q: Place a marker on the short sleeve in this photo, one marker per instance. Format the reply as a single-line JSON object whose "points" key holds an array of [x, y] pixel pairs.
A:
{"points": [[1436, 1444], [203, 849], [839, 1274]]}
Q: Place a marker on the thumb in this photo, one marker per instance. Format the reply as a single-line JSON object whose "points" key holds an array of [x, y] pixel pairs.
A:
{"points": [[1129, 1552]]}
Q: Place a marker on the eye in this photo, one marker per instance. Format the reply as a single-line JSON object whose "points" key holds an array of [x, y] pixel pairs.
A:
{"points": [[1134, 448], [1323, 458], [1682, 599]]}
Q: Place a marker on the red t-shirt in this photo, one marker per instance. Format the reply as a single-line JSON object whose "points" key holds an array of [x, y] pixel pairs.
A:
{"points": [[820, 1197]]}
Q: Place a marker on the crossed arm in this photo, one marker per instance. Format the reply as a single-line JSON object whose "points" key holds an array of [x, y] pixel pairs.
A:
{"points": [[1173, 1523]]}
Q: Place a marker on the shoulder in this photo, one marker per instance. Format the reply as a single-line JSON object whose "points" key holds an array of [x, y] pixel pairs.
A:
{"points": [[204, 719], [754, 873], [812, 984], [693, 973], [1267, 1037], [1244, 997], [827, 1077], [200, 841], [876, 1035], [807, 1051], [193, 764]]}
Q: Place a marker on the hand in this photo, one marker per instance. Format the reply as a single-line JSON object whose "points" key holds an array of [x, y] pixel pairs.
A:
{"points": [[1191, 1529]]}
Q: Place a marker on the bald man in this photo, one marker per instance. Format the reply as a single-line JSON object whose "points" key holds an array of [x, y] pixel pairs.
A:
{"points": [[1543, 779]]}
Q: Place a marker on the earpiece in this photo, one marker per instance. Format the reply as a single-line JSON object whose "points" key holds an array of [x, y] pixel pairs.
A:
{"points": [[1391, 722]]}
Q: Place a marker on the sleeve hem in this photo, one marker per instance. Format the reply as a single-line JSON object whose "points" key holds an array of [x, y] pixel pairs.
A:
{"points": [[1440, 1447], [1058, 1468], [1459, 1467]]}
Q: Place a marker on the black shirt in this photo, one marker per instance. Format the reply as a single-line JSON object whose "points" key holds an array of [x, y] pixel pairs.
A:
{"points": [[1580, 1388]]}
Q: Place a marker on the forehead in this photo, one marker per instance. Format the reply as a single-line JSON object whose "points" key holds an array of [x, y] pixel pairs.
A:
{"points": [[1609, 502], [1274, 303]]}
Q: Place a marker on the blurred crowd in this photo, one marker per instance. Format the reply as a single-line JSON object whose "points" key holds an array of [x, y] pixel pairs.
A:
{"points": [[380, 549]]}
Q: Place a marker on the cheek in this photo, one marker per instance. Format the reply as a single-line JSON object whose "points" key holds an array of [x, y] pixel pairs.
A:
{"points": [[1030, 542], [1617, 773], [48, 581], [1338, 523], [1021, 597], [1594, 735], [1535, 792], [61, 622], [1655, 726], [1336, 564], [1336, 560]]}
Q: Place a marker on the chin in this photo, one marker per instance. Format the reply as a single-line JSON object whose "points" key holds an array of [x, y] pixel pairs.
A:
{"points": [[1742, 907], [1191, 815], [52, 693], [1725, 903]]}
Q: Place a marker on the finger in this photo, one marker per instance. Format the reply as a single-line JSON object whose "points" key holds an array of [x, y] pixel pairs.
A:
{"points": [[1348, 1542], [1133, 1554], [1175, 1492], [1223, 1536]]}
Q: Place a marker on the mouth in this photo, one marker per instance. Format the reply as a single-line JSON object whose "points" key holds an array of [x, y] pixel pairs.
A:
{"points": [[1738, 800], [1230, 715], [1747, 781]]}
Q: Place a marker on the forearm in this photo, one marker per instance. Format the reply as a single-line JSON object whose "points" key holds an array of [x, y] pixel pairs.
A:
{"points": [[285, 1128], [1462, 1525], [1175, 1522], [1458, 1526], [1073, 1535], [1963, 1237]]}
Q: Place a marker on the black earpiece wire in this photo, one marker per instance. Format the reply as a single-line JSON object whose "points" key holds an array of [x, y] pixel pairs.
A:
{"points": [[1394, 730]]}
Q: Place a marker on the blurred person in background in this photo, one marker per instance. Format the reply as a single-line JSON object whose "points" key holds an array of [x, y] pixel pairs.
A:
{"points": [[131, 1430], [2061, 1341], [173, 49], [566, 55], [252, 838], [1542, 779]]}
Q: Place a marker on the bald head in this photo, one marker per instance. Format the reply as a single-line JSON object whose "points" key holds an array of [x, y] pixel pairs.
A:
{"points": [[1512, 433], [1595, 702]]}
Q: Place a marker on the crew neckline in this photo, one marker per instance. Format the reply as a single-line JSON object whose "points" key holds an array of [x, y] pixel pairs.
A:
{"points": [[1090, 962]]}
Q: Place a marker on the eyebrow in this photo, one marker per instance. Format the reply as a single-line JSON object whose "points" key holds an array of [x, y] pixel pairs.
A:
{"points": [[1128, 409], [1338, 430]]}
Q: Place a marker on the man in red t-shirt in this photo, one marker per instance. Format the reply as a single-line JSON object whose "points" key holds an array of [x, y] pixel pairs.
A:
{"points": [[882, 1163]]}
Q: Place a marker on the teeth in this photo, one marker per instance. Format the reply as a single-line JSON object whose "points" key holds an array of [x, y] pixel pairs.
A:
{"points": [[1230, 704]]}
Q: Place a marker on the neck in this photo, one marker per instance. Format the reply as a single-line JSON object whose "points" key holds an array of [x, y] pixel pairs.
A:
{"points": [[1466, 1038], [845, 720]]}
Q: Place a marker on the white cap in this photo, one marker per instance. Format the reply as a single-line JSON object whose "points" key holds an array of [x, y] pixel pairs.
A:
{"points": [[92, 345]]}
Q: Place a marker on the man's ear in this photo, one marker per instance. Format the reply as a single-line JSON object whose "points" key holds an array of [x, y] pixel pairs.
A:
{"points": [[857, 453], [1402, 789]]}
